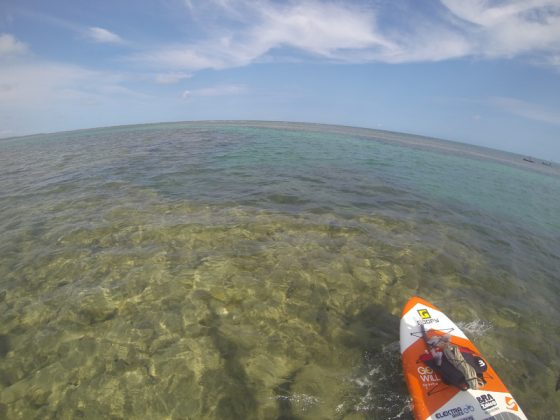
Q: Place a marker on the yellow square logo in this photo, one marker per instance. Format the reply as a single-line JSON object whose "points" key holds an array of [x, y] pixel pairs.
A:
{"points": [[424, 314]]}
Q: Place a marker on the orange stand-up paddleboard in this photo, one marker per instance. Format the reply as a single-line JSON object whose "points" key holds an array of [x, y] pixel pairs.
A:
{"points": [[449, 385]]}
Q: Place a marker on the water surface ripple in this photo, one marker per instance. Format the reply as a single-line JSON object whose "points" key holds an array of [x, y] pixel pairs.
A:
{"points": [[249, 270]]}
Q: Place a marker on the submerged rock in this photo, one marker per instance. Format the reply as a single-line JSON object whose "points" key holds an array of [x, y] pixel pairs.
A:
{"points": [[96, 306], [4, 345]]}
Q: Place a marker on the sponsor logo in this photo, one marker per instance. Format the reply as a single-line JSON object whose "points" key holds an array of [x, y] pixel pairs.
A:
{"points": [[455, 412], [426, 317], [486, 401], [424, 314], [427, 321], [427, 376], [425, 370], [511, 404]]}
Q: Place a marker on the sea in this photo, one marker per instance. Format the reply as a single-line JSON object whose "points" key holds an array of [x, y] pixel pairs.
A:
{"points": [[258, 270]]}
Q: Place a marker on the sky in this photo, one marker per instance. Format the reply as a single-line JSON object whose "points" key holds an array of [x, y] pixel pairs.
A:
{"points": [[484, 72]]}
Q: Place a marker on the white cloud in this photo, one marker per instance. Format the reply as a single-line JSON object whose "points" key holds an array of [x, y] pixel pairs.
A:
{"points": [[320, 28], [527, 110], [510, 28], [241, 32], [424, 42], [31, 84], [221, 90], [39, 95], [9, 45], [329, 30], [171, 78], [104, 36], [91, 33]]}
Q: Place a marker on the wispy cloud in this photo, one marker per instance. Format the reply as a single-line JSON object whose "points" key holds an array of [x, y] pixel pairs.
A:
{"points": [[527, 110], [92, 33], [10, 46], [32, 90], [171, 78], [235, 33], [40, 95], [510, 28], [221, 90], [40, 83], [328, 30], [103, 36], [240, 32]]}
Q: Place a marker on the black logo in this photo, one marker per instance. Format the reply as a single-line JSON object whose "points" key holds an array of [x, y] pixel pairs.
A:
{"points": [[486, 401]]}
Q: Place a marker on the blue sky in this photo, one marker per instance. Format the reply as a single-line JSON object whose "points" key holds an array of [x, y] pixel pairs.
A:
{"points": [[485, 72]]}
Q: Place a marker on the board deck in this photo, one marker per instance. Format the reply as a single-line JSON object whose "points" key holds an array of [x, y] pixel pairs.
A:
{"points": [[431, 397]]}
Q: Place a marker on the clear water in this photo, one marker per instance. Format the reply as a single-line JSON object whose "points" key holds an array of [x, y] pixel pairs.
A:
{"points": [[258, 270]]}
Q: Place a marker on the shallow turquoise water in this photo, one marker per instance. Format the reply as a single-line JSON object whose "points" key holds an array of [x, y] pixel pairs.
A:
{"points": [[258, 270]]}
